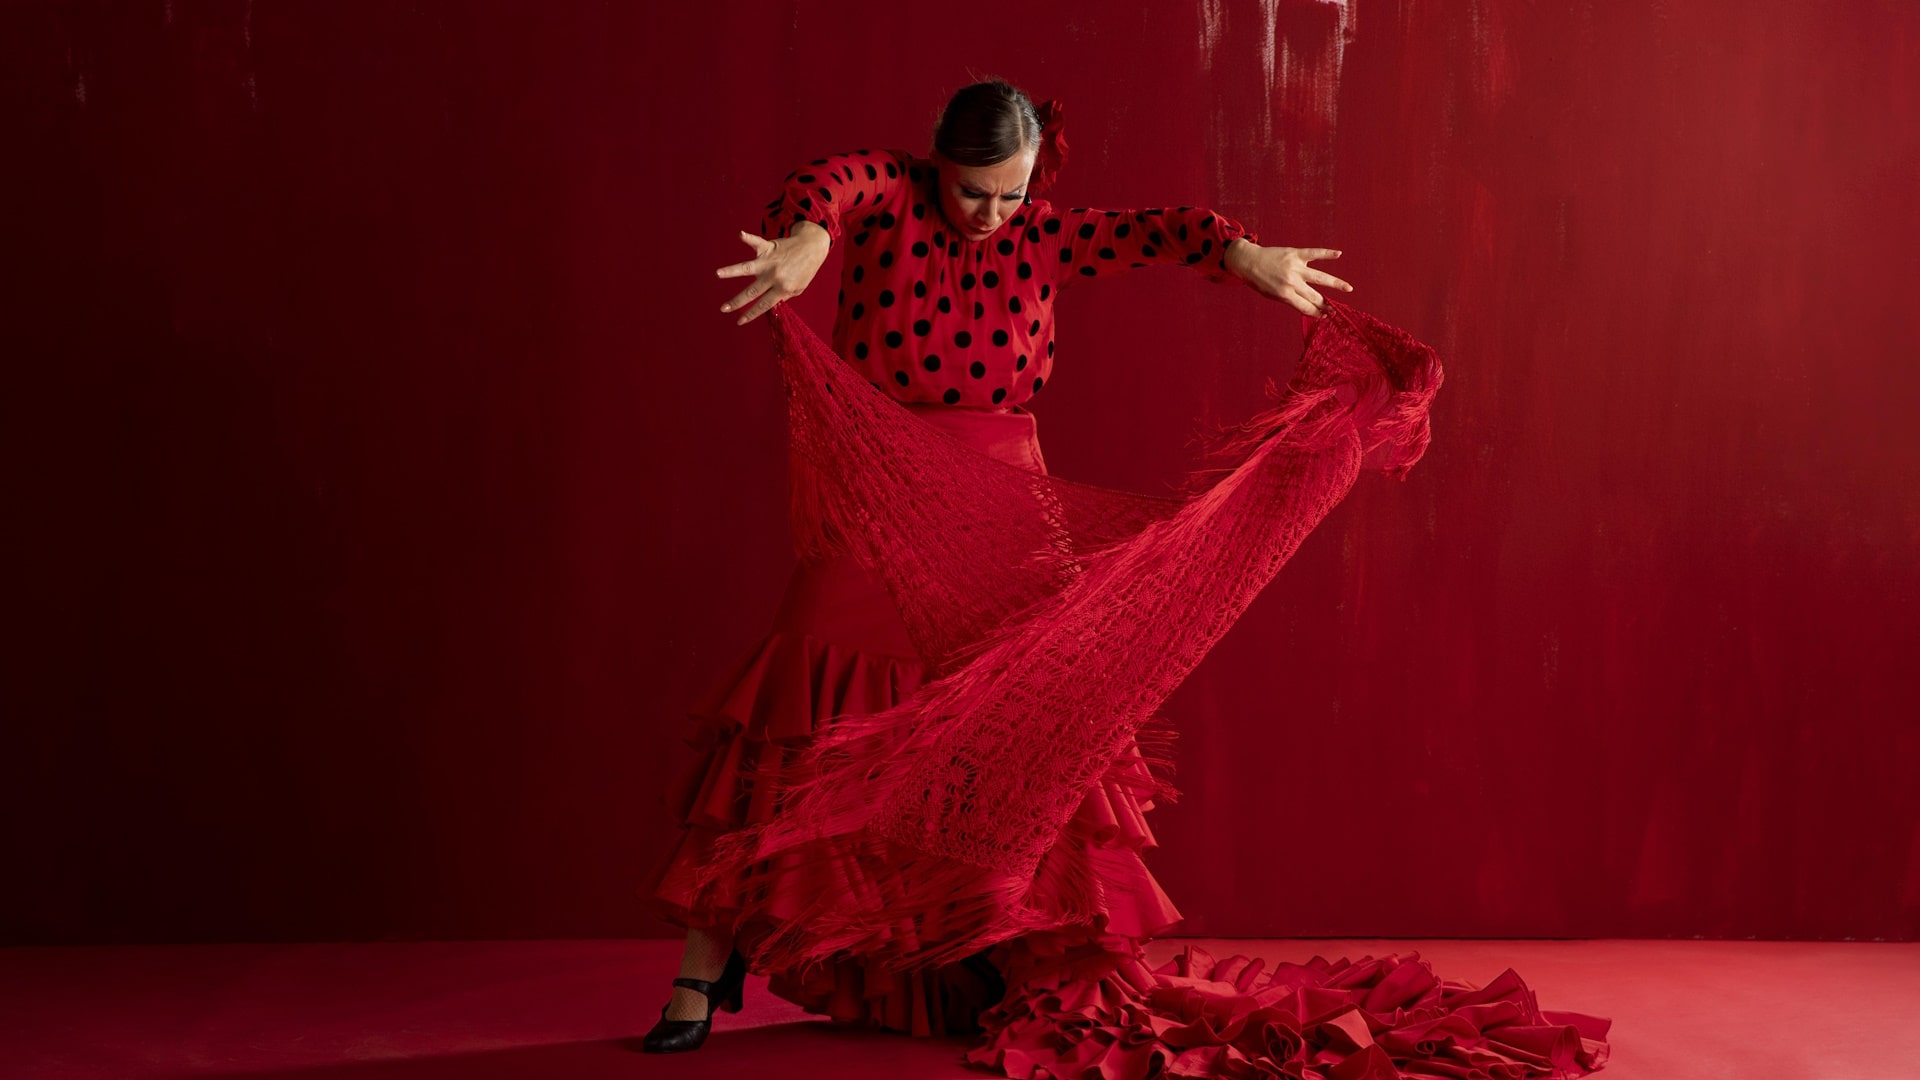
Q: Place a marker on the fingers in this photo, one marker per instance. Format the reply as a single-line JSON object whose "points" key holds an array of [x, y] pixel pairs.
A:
{"points": [[747, 294], [1324, 278], [1311, 254], [751, 267], [761, 307]]}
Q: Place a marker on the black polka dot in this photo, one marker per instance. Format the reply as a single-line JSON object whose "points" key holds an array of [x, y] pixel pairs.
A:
{"points": [[806, 202], [886, 259], [1122, 229], [922, 327], [1156, 239], [966, 280], [1052, 226], [843, 296], [919, 249], [1013, 304], [920, 289], [825, 194], [1037, 380], [1087, 271], [963, 339], [886, 297], [1045, 290], [1106, 253], [900, 377], [869, 220], [859, 310], [1111, 213], [939, 239], [1086, 231], [1034, 329], [892, 171], [950, 397], [919, 211], [806, 178], [860, 237], [999, 394], [1049, 348], [1194, 258], [1206, 246], [887, 220], [1206, 221], [979, 309], [913, 172], [1147, 250], [1004, 247], [1183, 231], [859, 273], [990, 279], [894, 339], [931, 363], [999, 337], [946, 306], [1066, 254], [953, 247], [1020, 362], [977, 369], [1033, 234], [1026, 270], [860, 350]]}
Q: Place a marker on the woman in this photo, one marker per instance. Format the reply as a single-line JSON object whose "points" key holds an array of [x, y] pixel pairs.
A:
{"points": [[946, 305], [946, 302]]}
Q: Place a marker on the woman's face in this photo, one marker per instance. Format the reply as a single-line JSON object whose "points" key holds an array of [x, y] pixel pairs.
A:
{"points": [[977, 199]]}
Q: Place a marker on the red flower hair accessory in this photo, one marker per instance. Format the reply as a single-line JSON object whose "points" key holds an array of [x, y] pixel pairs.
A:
{"points": [[1053, 147]]}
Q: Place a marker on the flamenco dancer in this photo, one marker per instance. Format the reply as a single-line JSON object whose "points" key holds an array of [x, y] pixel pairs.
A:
{"points": [[946, 305]]}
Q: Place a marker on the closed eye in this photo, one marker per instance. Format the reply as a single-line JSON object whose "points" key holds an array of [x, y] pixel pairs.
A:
{"points": [[1013, 197]]}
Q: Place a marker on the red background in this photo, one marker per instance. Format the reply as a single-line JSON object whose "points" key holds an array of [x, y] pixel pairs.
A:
{"points": [[384, 480]]}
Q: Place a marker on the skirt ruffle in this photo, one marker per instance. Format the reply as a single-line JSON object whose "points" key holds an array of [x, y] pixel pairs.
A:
{"points": [[790, 685], [1108, 1015]]}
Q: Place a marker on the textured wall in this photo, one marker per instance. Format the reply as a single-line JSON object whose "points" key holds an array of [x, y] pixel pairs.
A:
{"points": [[384, 479]]}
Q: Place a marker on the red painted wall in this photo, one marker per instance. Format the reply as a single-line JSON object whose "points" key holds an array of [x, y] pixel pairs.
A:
{"points": [[384, 480]]}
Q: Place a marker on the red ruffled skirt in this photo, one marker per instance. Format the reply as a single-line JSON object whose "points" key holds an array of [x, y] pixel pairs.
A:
{"points": [[1079, 1000], [838, 648]]}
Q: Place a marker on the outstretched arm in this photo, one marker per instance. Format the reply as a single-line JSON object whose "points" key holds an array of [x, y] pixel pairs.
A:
{"points": [[817, 203], [1095, 243]]}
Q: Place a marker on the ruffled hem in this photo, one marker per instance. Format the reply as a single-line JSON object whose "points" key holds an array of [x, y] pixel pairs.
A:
{"points": [[1386, 1018], [767, 710]]}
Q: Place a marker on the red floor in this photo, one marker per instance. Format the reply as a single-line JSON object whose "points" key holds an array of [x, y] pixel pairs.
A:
{"points": [[1681, 1010]]}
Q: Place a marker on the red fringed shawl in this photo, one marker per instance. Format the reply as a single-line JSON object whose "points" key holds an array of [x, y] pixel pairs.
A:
{"points": [[1056, 616]]}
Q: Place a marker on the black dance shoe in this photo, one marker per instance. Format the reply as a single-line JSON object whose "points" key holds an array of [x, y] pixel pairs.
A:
{"points": [[675, 1036]]}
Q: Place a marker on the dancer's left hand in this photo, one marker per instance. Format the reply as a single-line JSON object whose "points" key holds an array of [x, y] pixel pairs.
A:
{"points": [[1283, 273]]}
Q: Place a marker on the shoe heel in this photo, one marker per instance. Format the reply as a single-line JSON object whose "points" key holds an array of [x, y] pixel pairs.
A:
{"points": [[737, 997]]}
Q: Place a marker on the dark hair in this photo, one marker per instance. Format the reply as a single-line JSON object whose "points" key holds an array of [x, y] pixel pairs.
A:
{"points": [[987, 123]]}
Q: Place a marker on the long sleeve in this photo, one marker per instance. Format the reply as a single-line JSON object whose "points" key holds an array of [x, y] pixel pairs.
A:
{"points": [[1102, 243], [829, 191]]}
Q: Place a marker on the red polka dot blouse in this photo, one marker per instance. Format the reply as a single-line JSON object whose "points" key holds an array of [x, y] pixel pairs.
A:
{"points": [[930, 315]]}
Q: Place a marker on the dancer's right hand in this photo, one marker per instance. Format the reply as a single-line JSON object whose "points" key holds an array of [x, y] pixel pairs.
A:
{"points": [[781, 268]]}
